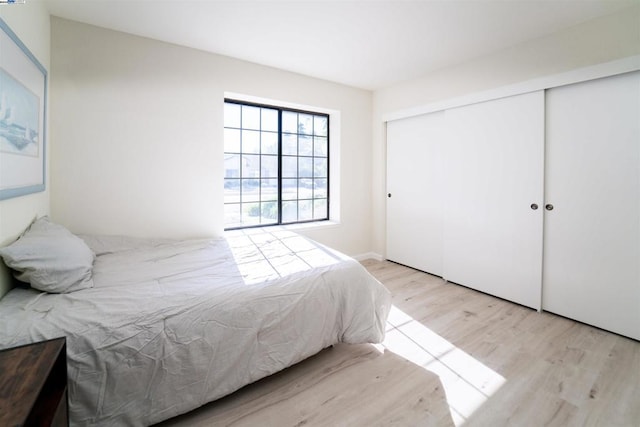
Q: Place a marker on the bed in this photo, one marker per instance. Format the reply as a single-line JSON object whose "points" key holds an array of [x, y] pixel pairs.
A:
{"points": [[167, 326]]}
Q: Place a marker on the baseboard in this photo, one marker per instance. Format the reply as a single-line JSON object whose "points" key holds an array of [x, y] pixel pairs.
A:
{"points": [[368, 255]]}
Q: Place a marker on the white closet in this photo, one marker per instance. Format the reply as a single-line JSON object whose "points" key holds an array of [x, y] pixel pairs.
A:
{"points": [[415, 197], [592, 235], [494, 172], [474, 185]]}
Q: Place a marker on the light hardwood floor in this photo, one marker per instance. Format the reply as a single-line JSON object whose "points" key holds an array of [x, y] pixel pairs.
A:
{"points": [[452, 356]]}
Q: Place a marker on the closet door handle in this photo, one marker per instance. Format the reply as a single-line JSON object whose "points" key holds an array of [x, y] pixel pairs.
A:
{"points": [[534, 206], [549, 207], [389, 195]]}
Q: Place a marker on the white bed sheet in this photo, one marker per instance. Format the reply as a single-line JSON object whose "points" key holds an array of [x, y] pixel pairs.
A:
{"points": [[171, 325]]}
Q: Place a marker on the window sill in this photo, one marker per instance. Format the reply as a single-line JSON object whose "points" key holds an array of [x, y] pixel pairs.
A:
{"points": [[310, 225], [288, 227]]}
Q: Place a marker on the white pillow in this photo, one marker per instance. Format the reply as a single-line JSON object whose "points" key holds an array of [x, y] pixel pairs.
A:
{"points": [[50, 258]]}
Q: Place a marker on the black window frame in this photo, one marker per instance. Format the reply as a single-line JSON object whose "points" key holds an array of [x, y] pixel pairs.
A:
{"points": [[280, 110]]}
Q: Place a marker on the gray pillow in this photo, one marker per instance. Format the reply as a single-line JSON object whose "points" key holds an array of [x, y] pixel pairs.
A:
{"points": [[50, 258]]}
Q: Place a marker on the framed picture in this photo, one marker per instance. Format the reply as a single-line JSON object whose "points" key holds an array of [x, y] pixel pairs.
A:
{"points": [[23, 100]]}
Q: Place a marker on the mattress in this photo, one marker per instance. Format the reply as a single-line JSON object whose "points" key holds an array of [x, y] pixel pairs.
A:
{"points": [[171, 325]]}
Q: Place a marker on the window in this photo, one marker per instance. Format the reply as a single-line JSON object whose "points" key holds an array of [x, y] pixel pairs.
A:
{"points": [[276, 163]]}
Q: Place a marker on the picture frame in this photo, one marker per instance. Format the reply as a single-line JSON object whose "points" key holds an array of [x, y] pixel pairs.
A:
{"points": [[23, 104]]}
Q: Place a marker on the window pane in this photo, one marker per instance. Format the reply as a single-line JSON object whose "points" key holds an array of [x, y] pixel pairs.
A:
{"points": [[305, 189], [289, 144], [320, 125], [269, 143], [274, 159], [289, 167], [251, 166], [305, 146], [232, 166], [269, 213], [232, 215], [250, 213], [320, 167], [231, 115], [289, 122], [269, 167], [250, 141], [289, 211], [269, 189], [320, 188], [305, 167], [250, 190], [270, 119], [320, 209], [305, 124], [250, 117], [289, 189], [231, 190], [231, 141], [320, 146], [305, 210]]}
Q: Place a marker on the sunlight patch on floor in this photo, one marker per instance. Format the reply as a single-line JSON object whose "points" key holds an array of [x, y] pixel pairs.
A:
{"points": [[467, 382]]}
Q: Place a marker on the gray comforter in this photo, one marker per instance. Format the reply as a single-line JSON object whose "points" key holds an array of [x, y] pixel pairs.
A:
{"points": [[171, 325]]}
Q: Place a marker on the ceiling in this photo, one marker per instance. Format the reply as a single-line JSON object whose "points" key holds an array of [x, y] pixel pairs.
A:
{"points": [[367, 44]]}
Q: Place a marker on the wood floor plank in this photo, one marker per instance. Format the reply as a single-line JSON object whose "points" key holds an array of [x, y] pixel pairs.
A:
{"points": [[452, 356]]}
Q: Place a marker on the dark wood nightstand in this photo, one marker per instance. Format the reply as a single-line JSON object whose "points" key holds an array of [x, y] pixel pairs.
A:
{"points": [[33, 384]]}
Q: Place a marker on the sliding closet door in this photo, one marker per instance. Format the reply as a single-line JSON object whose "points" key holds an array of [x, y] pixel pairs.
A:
{"points": [[414, 186], [494, 173], [592, 235]]}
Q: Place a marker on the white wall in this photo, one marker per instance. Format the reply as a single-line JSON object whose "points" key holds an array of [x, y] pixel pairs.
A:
{"points": [[597, 41], [30, 22], [138, 126]]}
